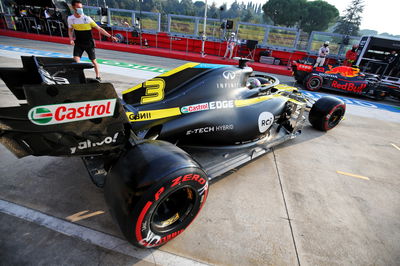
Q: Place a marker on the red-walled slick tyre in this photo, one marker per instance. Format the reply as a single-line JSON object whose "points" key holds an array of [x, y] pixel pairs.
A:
{"points": [[168, 208], [326, 113], [313, 82], [154, 191]]}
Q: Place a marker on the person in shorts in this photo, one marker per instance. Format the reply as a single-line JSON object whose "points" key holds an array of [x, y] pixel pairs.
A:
{"points": [[82, 26]]}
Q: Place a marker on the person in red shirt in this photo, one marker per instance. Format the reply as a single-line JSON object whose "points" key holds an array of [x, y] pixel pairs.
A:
{"points": [[351, 56]]}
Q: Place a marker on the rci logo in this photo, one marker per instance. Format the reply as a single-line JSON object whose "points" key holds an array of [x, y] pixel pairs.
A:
{"points": [[229, 75], [41, 115], [265, 121]]}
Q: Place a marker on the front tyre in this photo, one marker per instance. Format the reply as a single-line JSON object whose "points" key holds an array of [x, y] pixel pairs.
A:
{"points": [[313, 82], [326, 113]]}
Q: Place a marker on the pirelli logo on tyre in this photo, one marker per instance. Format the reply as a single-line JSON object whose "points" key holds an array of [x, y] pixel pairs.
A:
{"points": [[71, 112]]}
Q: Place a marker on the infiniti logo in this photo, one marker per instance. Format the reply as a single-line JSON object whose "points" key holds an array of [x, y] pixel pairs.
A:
{"points": [[229, 75]]}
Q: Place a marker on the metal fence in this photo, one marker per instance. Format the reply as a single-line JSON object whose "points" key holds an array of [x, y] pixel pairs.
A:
{"points": [[150, 21], [189, 26], [269, 36], [338, 46]]}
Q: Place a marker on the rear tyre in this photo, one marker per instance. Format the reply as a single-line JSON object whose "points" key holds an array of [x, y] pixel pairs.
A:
{"points": [[313, 82], [168, 208], [154, 192], [326, 113]]}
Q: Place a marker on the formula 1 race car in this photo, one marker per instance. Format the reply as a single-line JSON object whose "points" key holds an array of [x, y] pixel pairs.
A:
{"points": [[344, 79], [155, 150]]}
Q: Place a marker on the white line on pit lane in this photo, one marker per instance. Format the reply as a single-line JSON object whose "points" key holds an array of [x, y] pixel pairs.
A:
{"points": [[93, 237], [133, 73]]}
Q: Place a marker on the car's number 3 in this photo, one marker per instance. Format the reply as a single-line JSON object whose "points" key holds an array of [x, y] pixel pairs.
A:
{"points": [[154, 91]]}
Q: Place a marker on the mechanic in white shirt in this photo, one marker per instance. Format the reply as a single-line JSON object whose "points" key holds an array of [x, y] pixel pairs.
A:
{"points": [[230, 45], [322, 53]]}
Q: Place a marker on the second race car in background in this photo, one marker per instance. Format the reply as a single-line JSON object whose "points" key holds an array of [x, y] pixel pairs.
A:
{"points": [[344, 79]]}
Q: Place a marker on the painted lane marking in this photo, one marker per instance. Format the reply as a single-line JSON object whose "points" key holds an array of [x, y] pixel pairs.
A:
{"points": [[94, 237], [100, 61], [80, 215], [394, 145], [128, 72], [353, 175]]}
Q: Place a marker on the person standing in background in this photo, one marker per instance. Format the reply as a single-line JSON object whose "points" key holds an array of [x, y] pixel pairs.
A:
{"points": [[322, 53], [82, 26], [230, 46], [351, 56]]}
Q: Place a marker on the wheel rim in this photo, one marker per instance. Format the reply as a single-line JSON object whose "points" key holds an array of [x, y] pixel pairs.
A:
{"points": [[335, 117], [173, 210], [314, 83]]}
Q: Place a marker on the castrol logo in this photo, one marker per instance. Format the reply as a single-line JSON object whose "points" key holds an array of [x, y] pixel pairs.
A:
{"points": [[70, 112]]}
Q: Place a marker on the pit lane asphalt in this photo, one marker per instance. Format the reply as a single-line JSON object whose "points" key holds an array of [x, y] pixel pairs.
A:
{"points": [[287, 207]]}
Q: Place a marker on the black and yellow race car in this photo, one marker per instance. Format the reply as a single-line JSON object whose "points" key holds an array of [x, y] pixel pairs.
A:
{"points": [[343, 79], [155, 150]]}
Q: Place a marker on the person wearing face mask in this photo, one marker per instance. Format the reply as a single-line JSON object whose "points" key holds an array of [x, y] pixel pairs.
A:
{"points": [[351, 56], [82, 26]]}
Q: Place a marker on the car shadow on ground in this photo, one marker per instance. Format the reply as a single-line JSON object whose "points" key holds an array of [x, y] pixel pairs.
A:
{"points": [[308, 133]]}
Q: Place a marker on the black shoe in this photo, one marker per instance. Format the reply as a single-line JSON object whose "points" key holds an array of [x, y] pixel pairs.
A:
{"points": [[98, 79]]}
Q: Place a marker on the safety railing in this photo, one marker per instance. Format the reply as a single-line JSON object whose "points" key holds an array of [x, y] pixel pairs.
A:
{"points": [[269, 36], [150, 21], [192, 27]]}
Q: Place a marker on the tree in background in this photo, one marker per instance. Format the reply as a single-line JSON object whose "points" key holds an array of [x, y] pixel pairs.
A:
{"points": [[349, 23], [213, 11], [234, 11], [317, 16], [284, 12], [248, 15], [186, 7], [199, 8], [307, 15]]}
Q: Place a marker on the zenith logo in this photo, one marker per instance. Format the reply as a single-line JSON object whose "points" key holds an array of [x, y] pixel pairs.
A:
{"points": [[229, 74]]}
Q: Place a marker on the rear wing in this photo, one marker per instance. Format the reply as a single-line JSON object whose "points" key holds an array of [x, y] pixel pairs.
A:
{"points": [[65, 114]]}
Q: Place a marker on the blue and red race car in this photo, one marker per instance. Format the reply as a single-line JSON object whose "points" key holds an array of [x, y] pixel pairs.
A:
{"points": [[344, 79]]}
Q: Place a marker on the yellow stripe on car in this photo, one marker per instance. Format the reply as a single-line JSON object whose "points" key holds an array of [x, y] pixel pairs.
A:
{"points": [[153, 114], [284, 87], [166, 74], [178, 69], [247, 102], [251, 101]]}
